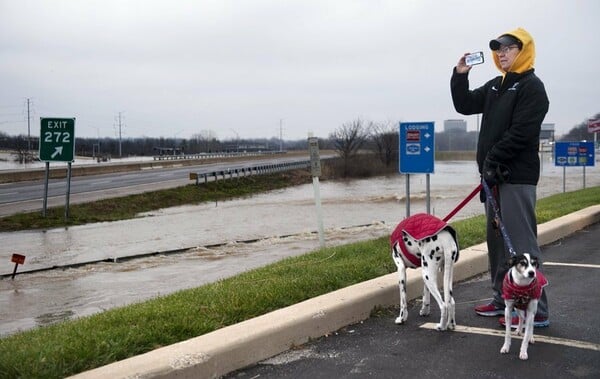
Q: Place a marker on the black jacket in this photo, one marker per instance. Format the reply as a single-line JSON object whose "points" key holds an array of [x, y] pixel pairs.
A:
{"points": [[513, 112]]}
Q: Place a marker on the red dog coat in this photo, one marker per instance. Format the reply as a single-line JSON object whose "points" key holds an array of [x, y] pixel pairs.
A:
{"points": [[522, 295], [419, 227]]}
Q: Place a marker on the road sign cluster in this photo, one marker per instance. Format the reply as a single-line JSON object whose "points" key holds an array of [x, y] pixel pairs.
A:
{"points": [[574, 154], [417, 147]]}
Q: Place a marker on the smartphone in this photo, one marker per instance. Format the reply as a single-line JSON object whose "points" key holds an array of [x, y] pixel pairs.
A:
{"points": [[474, 58]]}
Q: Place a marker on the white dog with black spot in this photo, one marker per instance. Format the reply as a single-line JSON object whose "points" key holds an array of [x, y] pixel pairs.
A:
{"points": [[425, 241], [521, 289]]}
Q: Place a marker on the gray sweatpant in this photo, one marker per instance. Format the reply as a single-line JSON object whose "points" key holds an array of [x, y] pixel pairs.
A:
{"points": [[517, 211]]}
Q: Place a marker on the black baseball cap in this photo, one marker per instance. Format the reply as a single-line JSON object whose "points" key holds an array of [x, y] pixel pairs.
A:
{"points": [[506, 40]]}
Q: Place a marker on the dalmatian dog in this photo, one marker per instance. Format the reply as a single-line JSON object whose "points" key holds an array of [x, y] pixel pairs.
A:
{"points": [[521, 289], [423, 240]]}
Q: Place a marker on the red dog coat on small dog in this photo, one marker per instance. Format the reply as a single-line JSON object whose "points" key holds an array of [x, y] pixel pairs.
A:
{"points": [[522, 295]]}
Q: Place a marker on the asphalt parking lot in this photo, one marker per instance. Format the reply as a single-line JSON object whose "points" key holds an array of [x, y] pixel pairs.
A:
{"points": [[377, 348]]}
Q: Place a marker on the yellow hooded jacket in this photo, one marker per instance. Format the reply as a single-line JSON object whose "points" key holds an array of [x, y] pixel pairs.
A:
{"points": [[526, 58]]}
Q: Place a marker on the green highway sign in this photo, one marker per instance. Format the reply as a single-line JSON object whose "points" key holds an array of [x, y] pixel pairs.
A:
{"points": [[57, 139]]}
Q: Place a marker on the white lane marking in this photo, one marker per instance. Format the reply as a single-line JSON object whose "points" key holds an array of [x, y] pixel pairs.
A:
{"points": [[538, 338], [8, 193], [571, 264]]}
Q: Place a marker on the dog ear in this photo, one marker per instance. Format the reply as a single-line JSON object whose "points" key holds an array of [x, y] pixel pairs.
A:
{"points": [[534, 262], [512, 261]]}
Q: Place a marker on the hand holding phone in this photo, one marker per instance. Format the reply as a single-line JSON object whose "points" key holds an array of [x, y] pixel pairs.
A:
{"points": [[474, 58]]}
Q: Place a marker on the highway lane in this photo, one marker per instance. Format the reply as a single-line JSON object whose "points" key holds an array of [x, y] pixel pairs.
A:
{"points": [[28, 196]]}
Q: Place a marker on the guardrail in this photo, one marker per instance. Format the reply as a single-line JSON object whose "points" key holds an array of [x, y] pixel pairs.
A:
{"points": [[216, 155], [237, 172]]}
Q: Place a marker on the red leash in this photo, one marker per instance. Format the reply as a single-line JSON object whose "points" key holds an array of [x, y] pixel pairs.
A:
{"points": [[463, 203]]}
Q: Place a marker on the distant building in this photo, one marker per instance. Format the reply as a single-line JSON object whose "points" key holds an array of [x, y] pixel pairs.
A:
{"points": [[547, 138], [168, 150], [455, 137], [455, 126], [246, 147], [547, 133]]}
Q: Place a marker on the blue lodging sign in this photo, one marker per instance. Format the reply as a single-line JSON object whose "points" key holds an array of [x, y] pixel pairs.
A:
{"points": [[417, 147], [572, 154]]}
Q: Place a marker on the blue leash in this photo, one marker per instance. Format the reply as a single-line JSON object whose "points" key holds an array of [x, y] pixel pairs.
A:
{"points": [[492, 201]]}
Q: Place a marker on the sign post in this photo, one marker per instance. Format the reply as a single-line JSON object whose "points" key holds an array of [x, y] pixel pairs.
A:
{"points": [[417, 154], [57, 144], [17, 259], [574, 154], [315, 170]]}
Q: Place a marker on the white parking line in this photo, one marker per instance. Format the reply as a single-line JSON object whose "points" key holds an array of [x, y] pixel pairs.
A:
{"points": [[538, 338], [570, 264]]}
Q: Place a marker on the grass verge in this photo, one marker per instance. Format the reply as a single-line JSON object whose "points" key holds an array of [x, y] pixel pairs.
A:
{"points": [[78, 345]]}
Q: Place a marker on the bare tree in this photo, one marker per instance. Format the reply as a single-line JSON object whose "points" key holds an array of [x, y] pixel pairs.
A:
{"points": [[205, 139], [349, 138], [22, 153], [385, 141]]}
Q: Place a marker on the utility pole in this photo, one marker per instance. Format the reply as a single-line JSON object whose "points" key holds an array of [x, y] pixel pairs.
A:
{"points": [[280, 135], [28, 127], [120, 152]]}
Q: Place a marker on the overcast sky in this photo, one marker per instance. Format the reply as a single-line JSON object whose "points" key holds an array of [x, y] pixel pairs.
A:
{"points": [[243, 68]]}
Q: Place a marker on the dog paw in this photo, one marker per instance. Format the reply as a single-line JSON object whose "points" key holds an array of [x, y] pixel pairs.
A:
{"points": [[504, 349], [400, 320], [425, 311], [451, 326], [440, 327], [532, 340], [523, 356]]}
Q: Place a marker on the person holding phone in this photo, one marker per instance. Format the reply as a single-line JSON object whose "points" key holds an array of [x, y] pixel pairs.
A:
{"points": [[513, 106]]}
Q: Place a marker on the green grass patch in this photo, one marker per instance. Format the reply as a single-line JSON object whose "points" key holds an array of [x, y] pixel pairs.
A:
{"points": [[73, 346]]}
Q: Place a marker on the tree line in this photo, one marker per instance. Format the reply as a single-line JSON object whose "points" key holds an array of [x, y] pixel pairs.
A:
{"points": [[350, 138]]}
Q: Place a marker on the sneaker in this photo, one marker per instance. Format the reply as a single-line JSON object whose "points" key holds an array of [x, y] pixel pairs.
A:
{"points": [[489, 310], [538, 322]]}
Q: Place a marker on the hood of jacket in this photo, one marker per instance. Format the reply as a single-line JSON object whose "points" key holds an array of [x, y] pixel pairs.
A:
{"points": [[526, 58]]}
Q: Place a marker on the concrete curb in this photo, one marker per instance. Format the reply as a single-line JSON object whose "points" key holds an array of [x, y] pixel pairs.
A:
{"points": [[225, 350]]}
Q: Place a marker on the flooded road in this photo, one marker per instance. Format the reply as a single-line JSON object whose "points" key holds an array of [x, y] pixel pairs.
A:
{"points": [[281, 223]]}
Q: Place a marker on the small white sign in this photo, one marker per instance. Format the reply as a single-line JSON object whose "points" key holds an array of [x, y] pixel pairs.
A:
{"points": [[315, 159]]}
